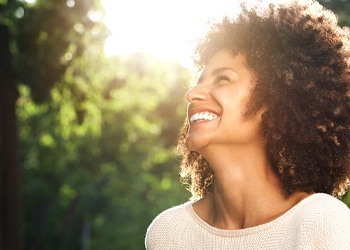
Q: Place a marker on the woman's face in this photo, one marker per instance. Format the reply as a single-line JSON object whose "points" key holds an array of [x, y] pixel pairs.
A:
{"points": [[217, 106]]}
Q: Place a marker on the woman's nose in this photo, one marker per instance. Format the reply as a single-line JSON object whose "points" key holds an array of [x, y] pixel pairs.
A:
{"points": [[196, 93]]}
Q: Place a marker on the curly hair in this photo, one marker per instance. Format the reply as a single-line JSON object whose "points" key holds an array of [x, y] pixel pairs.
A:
{"points": [[300, 56]]}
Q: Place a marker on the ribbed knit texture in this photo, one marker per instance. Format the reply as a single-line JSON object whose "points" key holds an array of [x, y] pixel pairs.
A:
{"points": [[317, 222]]}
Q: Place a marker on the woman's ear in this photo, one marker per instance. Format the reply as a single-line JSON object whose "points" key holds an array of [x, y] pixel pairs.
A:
{"points": [[262, 111]]}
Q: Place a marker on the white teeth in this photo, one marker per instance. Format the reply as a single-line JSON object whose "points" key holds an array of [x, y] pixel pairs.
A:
{"points": [[203, 116]]}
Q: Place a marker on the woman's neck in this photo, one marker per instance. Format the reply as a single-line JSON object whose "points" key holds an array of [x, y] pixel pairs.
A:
{"points": [[247, 192]]}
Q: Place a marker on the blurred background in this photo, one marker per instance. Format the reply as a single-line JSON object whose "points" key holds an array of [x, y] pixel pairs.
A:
{"points": [[91, 102]]}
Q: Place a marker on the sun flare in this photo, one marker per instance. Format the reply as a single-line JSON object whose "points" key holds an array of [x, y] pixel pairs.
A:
{"points": [[162, 28]]}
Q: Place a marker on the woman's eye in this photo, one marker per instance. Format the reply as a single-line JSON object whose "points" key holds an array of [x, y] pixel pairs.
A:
{"points": [[222, 78]]}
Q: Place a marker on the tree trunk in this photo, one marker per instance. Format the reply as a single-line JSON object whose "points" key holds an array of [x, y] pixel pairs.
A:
{"points": [[11, 196]]}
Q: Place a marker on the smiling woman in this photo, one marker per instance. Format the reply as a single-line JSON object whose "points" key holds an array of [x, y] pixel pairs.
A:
{"points": [[162, 28], [265, 144]]}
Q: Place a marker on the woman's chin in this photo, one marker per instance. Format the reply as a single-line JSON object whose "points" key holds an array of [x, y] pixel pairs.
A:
{"points": [[193, 143]]}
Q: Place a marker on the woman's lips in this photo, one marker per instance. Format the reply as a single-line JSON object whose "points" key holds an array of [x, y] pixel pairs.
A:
{"points": [[206, 116]]}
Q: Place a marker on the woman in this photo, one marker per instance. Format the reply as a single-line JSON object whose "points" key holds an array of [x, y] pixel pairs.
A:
{"points": [[267, 139]]}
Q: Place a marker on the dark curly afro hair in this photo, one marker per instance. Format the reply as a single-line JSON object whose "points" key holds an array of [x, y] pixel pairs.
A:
{"points": [[300, 57]]}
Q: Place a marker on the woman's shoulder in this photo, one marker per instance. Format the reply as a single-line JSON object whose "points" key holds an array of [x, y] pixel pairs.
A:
{"points": [[167, 223], [175, 213], [322, 207], [322, 204], [325, 220]]}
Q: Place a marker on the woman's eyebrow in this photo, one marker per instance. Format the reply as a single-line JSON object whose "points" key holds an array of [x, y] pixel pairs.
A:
{"points": [[215, 72], [221, 69]]}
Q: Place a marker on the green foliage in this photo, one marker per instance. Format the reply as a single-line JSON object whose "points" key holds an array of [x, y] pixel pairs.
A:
{"points": [[97, 135], [48, 36], [109, 172]]}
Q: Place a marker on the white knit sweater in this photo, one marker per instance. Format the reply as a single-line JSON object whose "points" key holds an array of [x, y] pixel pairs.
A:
{"points": [[317, 222]]}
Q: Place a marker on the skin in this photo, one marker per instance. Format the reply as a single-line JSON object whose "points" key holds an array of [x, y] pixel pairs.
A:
{"points": [[247, 192]]}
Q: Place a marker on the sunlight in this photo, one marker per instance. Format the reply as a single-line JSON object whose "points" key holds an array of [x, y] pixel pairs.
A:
{"points": [[164, 29]]}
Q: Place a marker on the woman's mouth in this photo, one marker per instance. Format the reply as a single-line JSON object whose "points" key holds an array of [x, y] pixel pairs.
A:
{"points": [[202, 116]]}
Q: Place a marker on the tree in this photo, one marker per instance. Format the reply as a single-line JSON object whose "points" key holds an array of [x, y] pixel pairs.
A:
{"points": [[119, 168], [35, 51], [11, 182]]}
